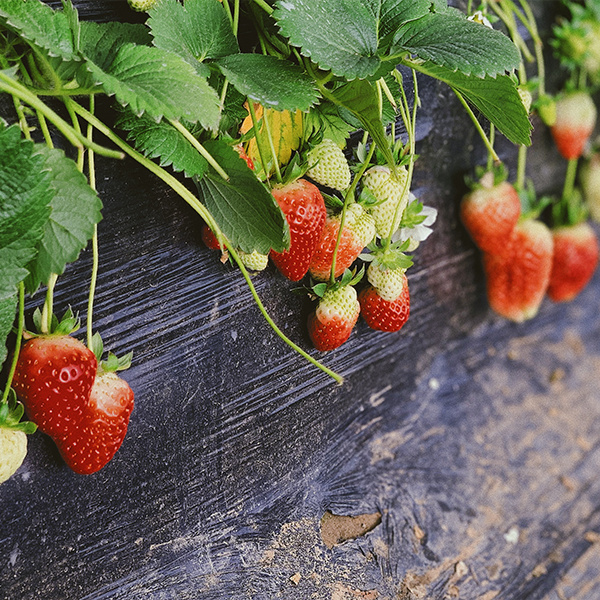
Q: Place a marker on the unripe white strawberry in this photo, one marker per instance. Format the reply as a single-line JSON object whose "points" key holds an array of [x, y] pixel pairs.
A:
{"points": [[255, 261], [13, 448], [392, 192], [142, 5], [328, 165], [361, 222], [389, 283]]}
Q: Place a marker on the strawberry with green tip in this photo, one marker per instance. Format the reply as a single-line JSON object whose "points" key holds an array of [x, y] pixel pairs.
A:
{"points": [[304, 208], [490, 212], [391, 193], [357, 233], [328, 166], [575, 121], [337, 312]]}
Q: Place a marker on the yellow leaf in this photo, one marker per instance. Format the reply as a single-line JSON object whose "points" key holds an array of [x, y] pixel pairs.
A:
{"points": [[286, 133]]}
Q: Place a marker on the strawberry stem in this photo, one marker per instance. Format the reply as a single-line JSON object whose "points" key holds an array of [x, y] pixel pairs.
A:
{"points": [[201, 149], [259, 145], [20, 328], [478, 126], [180, 189], [95, 252], [569, 185], [9, 85], [273, 325], [48, 305], [271, 145]]}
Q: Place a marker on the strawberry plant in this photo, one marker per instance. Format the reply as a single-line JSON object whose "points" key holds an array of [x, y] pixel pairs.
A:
{"points": [[237, 134]]}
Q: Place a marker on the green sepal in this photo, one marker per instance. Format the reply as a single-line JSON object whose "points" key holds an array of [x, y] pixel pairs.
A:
{"points": [[11, 413], [68, 324], [411, 217]]}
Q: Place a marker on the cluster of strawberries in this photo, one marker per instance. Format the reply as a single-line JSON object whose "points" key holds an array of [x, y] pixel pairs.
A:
{"points": [[72, 396], [326, 241], [524, 259]]}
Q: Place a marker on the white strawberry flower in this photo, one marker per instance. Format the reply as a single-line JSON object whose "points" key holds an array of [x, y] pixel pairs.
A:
{"points": [[479, 17], [416, 233]]}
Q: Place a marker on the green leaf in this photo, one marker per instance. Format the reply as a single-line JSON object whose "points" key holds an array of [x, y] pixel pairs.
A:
{"points": [[197, 30], [450, 40], [25, 194], [243, 207], [161, 140], [361, 99], [75, 212], [151, 80], [325, 119], [394, 13], [41, 26], [497, 98], [272, 82], [338, 36], [8, 308]]}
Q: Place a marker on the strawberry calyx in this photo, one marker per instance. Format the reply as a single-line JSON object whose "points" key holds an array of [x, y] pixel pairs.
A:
{"points": [[391, 257], [113, 363], [531, 206], [67, 325], [569, 210], [487, 178], [11, 413]]}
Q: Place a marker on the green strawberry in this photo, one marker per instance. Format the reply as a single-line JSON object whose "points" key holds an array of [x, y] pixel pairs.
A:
{"points": [[255, 261], [142, 5], [392, 196], [328, 165]]}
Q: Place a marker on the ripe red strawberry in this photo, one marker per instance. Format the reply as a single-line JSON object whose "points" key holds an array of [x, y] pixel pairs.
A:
{"points": [[334, 318], [490, 213], [575, 122], [92, 444], [575, 260], [518, 278], [304, 208], [358, 232], [382, 314], [53, 379], [239, 148], [209, 238]]}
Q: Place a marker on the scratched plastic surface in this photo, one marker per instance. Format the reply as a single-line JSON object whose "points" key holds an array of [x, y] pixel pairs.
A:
{"points": [[476, 439]]}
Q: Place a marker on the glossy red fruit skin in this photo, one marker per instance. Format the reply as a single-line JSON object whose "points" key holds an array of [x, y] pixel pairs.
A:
{"points": [[383, 315], [574, 262], [209, 238], [53, 380], [517, 279], [330, 335], [349, 249], [99, 435], [304, 209], [490, 215]]}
